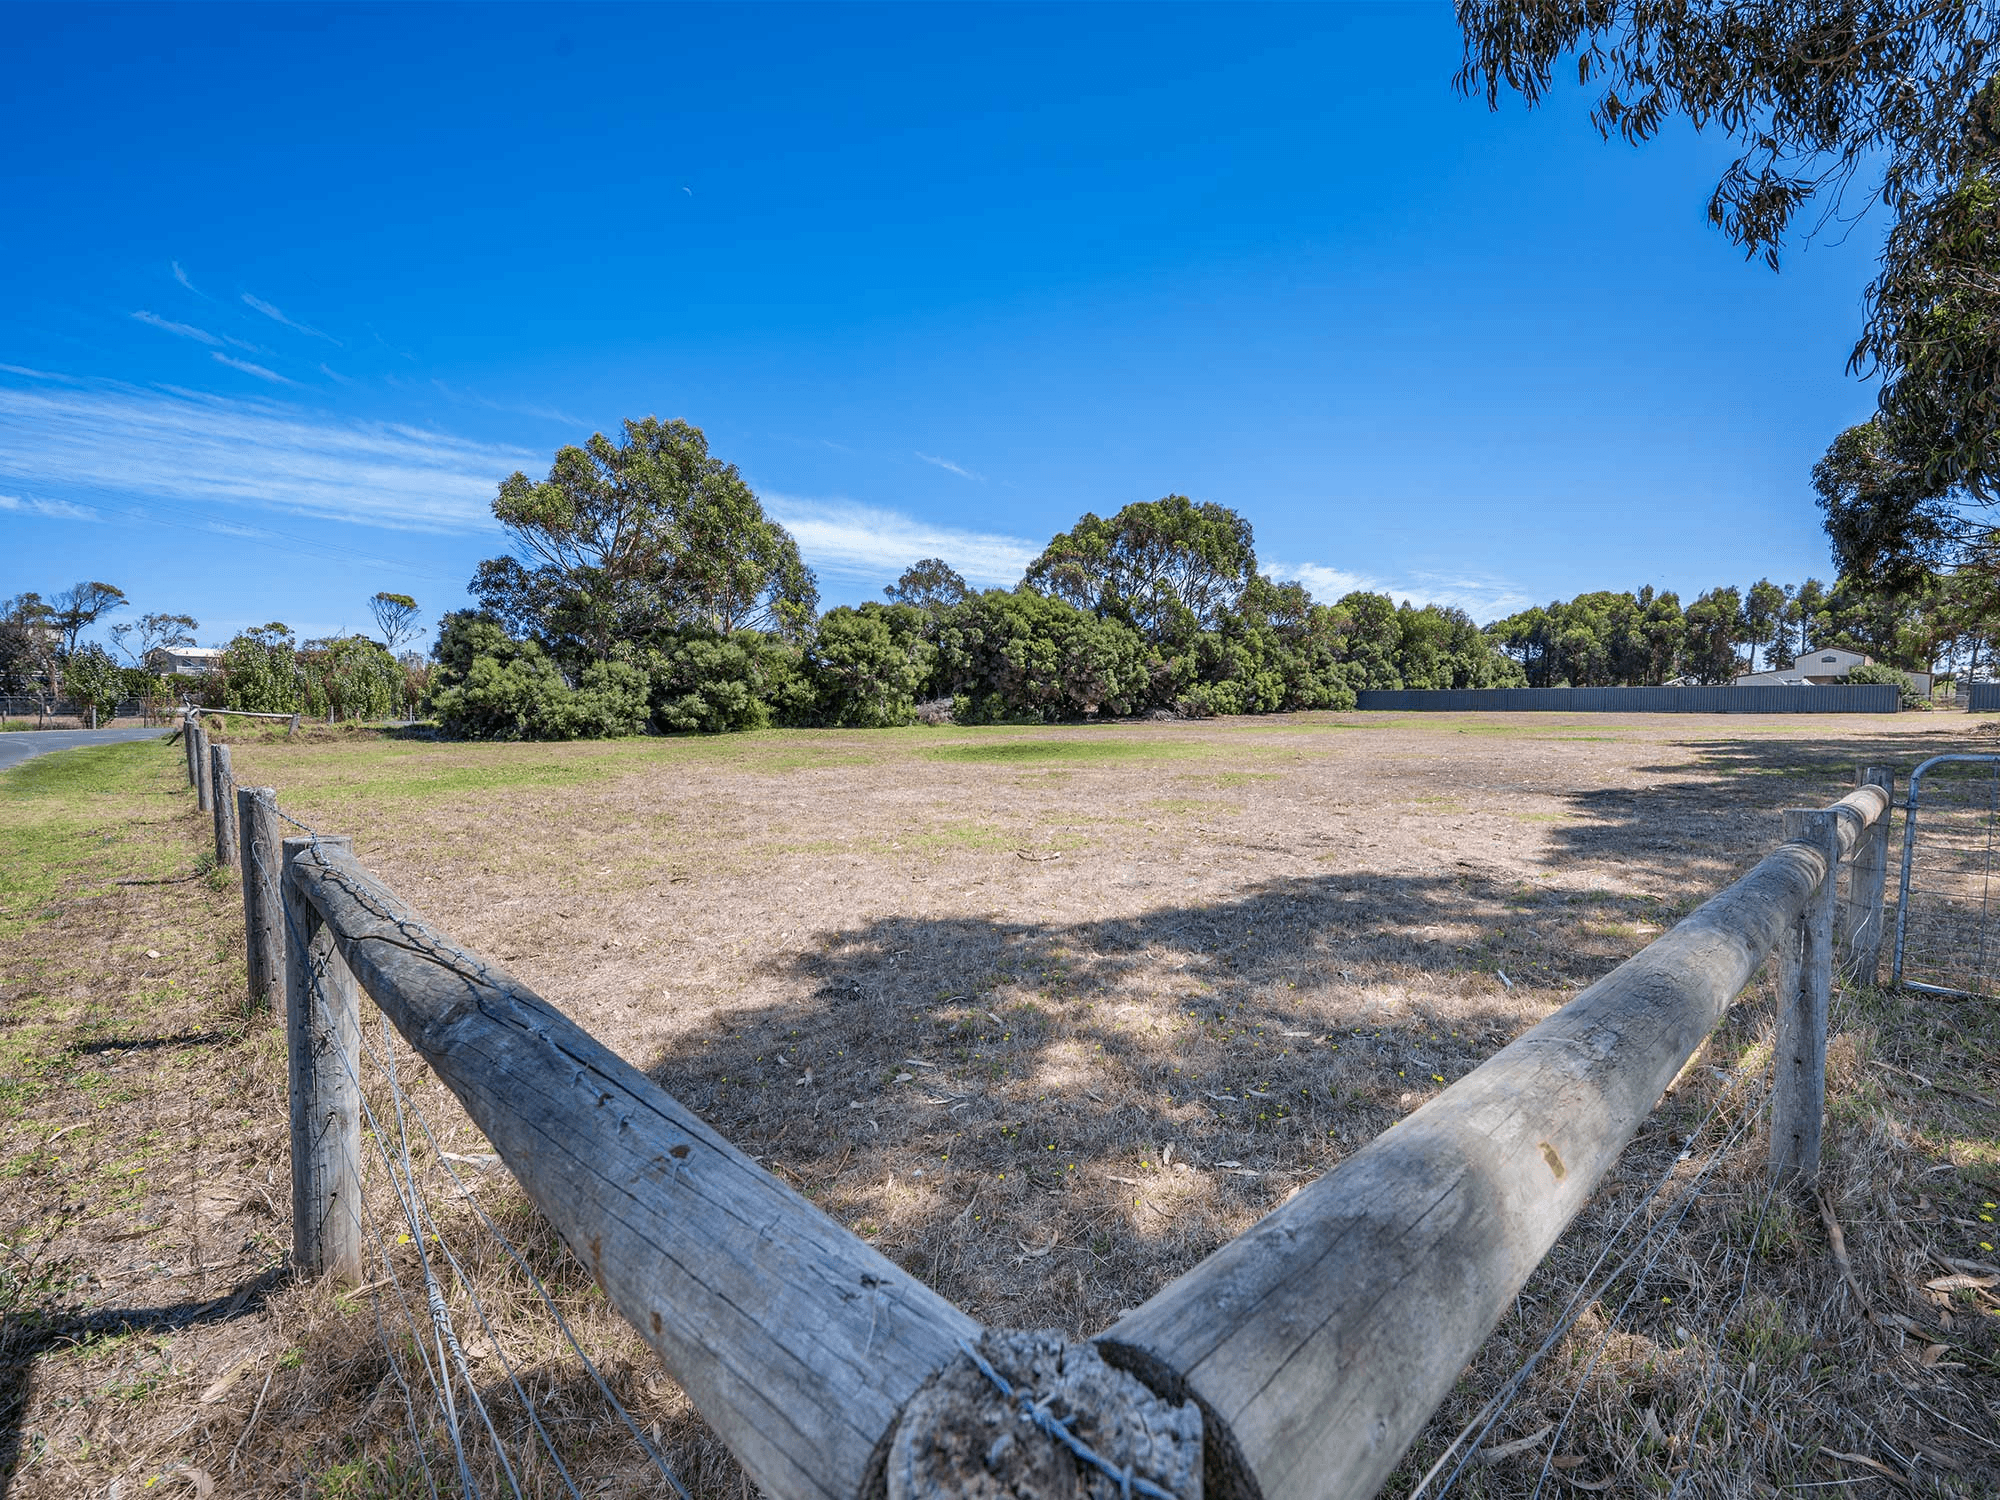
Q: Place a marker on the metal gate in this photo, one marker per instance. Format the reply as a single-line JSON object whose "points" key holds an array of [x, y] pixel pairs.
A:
{"points": [[1947, 942]]}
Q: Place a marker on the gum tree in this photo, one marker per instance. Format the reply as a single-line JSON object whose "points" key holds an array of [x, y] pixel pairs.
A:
{"points": [[626, 540]]}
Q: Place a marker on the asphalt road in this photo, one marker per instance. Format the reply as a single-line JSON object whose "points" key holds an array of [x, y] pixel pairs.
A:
{"points": [[22, 744]]}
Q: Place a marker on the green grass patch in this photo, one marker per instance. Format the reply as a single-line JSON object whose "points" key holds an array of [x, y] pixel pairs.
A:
{"points": [[53, 815], [1074, 750], [1194, 807], [375, 770], [950, 837]]}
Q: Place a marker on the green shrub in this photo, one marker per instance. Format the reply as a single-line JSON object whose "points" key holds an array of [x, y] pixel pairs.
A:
{"points": [[1022, 657], [91, 679], [486, 686], [1871, 673], [702, 682], [868, 666]]}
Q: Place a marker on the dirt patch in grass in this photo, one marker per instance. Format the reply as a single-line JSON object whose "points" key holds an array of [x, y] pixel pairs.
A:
{"points": [[1048, 1018]]}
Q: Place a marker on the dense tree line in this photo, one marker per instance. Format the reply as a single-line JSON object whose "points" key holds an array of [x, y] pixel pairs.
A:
{"points": [[267, 670], [43, 654], [649, 592], [1927, 622]]}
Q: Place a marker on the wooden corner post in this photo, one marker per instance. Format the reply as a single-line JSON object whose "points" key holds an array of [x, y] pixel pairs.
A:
{"points": [[223, 794], [1805, 984], [1861, 913], [259, 850], [323, 1043]]}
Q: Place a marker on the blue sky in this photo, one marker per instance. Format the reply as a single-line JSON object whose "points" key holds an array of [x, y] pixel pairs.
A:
{"points": [[286, 291]]}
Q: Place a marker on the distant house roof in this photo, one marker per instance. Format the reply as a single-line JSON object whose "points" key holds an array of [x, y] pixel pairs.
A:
{"points": [[1787, 677], [186, 661], [1811, 666]]}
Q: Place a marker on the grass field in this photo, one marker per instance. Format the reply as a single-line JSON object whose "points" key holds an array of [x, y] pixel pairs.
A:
{"points": [[1046, 1014]]}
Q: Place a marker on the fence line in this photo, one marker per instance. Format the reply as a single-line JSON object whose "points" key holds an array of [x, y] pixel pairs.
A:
{"points": [[1861, 698], [1299, 1360]]}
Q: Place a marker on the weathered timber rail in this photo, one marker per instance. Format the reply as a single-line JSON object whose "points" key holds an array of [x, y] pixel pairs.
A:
{"points": [[798, 1342], [1298, 1361], [1319, 1342]]}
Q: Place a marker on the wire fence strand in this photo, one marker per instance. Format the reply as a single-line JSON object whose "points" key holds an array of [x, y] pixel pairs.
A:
{"points": [[433, 1333]]}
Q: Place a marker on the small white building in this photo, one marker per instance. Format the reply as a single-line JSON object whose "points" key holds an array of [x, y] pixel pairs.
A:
{"points": [[185, 661], [1826, 668]]}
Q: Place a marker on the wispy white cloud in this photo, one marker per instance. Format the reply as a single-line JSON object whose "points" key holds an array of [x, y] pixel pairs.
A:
{"points": [[182, 330], [951, 468], [517, 409], [55, 510], [334, 375], [112, 441], [182, 277], [249, 369], [1483, 596], [866, 544], [1323, 583], [258, 304]]}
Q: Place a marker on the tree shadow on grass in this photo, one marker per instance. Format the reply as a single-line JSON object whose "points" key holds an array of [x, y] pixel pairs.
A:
{"points": [[1046, 1121], [31, 1332], [1704, 832]]}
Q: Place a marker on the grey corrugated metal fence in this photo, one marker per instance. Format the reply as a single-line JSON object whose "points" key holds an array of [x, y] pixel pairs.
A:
{"points": [[1983, 697], [1873, 698]]}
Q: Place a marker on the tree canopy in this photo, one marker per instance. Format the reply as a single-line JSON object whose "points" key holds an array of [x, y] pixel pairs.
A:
{"points": [[1159, 565], [1813, 95], [1933, 331], [155, 632], [395, 616], [27, 641], [930, 584], [80, 606], [625, 540]]}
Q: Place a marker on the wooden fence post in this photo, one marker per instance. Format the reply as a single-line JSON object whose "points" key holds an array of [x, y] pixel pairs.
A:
{"points": [[323, 1041], [1861, 914], [203, 790], [1805, 983], [224, 788], [187, 744], [259, 850]]}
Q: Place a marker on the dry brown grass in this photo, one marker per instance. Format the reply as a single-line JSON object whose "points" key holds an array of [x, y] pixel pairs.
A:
{"points": [[1049, 1015]]}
